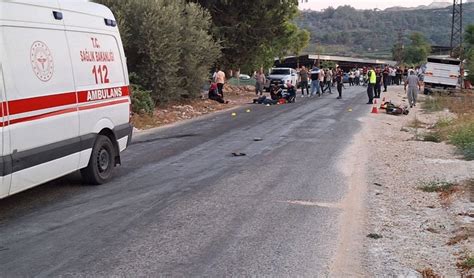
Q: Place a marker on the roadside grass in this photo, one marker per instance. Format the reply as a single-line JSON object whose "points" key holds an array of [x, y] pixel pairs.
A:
{"points": [[428, 273], [433, 104], [436, 186], [443, 123], [468, 263], [432, 137], [458, 131], [416, 124]]}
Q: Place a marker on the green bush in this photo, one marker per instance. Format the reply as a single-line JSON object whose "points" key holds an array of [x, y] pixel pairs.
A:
{"points": [[432, 137], [463, 138], [142, 102], [168, 45], [436, 186], [470, 67]]}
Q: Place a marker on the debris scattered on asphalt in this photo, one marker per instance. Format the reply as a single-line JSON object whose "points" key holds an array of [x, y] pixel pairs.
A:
{"points": [[248, 111], [234, 114], [374, 236], [239, 154], [258, 139], [377, 184]]}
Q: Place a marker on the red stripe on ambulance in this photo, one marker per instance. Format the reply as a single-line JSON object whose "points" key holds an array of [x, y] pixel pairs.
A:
{"points": [[51, 101]]}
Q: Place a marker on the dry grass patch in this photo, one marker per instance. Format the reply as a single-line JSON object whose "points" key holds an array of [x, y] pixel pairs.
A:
{"points": [[428, 273], [467, 264], [458, 131]]}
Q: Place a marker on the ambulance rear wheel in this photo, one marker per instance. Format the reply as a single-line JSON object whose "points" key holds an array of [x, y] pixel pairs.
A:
{"points": [[101, 163]]}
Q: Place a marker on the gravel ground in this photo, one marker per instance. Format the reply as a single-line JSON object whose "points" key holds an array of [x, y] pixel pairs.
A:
{"points": [[179, 111], [415, 226]]}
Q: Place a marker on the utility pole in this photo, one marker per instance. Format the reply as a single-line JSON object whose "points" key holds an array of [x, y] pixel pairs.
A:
{"points": [[457, 29], [318, 53], [457, 36], [399, 46]]}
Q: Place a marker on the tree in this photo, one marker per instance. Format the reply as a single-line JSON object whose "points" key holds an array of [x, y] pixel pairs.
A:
{"points": [[252, 32], [418, 50], [170, 49], [469, 35], [300, 41], [469, 40]]}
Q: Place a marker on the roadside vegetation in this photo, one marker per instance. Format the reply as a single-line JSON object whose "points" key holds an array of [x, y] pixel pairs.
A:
{"points": [[172, 47], [458, 130], [468, 263], [372, 32], [436, 186]]}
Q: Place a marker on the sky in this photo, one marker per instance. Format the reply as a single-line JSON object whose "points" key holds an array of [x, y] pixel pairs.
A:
{"points": [[363, 4]]}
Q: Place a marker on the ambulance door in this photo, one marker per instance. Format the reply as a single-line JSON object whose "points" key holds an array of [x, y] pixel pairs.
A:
{"points": [[42, 100], [99, 74]]}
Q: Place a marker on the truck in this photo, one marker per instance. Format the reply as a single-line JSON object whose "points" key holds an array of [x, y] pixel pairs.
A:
{"points": [[64, 93], [281, 76], [441, 72]]}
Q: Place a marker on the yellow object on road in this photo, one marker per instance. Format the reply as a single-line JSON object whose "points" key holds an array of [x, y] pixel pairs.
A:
{"points": [[234, 114], [248, 111]]}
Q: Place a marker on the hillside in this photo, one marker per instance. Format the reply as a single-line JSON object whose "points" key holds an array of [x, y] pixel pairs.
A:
{"points": [[372, 33]]}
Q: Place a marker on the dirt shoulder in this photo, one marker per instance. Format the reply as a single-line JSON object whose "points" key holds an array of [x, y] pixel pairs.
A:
{"points": [[411, 232], [176, 112]]}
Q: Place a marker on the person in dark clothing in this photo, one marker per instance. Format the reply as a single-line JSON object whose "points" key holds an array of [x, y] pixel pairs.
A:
{"points": [[215, 95], [405, 75], [290, 93], [398, 77], [339, 81], [315, 88], [378, 83], [276, 92], [386, 78]]}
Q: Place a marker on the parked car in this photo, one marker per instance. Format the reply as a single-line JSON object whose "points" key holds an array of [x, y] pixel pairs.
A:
{"points": [[244, 77], [281, 76], [345, 78]]}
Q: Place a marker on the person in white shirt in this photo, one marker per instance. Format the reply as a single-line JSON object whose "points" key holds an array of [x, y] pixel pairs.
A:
{"points": [[322, 76]]}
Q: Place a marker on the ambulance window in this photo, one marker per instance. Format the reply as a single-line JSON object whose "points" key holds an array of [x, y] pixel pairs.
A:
{"points": [[37, 62], [96, 60]]}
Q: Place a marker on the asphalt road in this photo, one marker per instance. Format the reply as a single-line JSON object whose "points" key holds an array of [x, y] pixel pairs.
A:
{"points": [[182, 205]]}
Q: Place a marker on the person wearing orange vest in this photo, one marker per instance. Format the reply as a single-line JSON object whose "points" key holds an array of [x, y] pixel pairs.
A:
{"points": [[371, 86]]}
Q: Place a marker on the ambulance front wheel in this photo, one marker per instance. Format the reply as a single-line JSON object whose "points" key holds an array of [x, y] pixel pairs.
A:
{"points": [[101, 163]]}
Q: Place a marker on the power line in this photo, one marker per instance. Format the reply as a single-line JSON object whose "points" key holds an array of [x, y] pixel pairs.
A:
{"points": [[456, 28]]}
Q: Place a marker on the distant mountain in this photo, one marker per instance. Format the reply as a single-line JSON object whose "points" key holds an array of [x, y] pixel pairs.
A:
{"points": [[434, 5], [347, 31]]}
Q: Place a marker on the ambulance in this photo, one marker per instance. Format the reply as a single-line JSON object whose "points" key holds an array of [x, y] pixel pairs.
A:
{"points": [[64, 93]]}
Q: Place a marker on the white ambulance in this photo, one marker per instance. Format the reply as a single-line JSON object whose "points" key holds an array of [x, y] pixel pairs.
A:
{"points": [[64, 94]]}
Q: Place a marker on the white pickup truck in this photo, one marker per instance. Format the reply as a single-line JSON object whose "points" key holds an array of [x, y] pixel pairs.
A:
{"points": [[442, 72], [281, 76]]}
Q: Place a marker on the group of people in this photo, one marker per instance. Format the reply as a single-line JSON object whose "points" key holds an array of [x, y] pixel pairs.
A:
{"points": [[377, 77], [322, 80]]}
